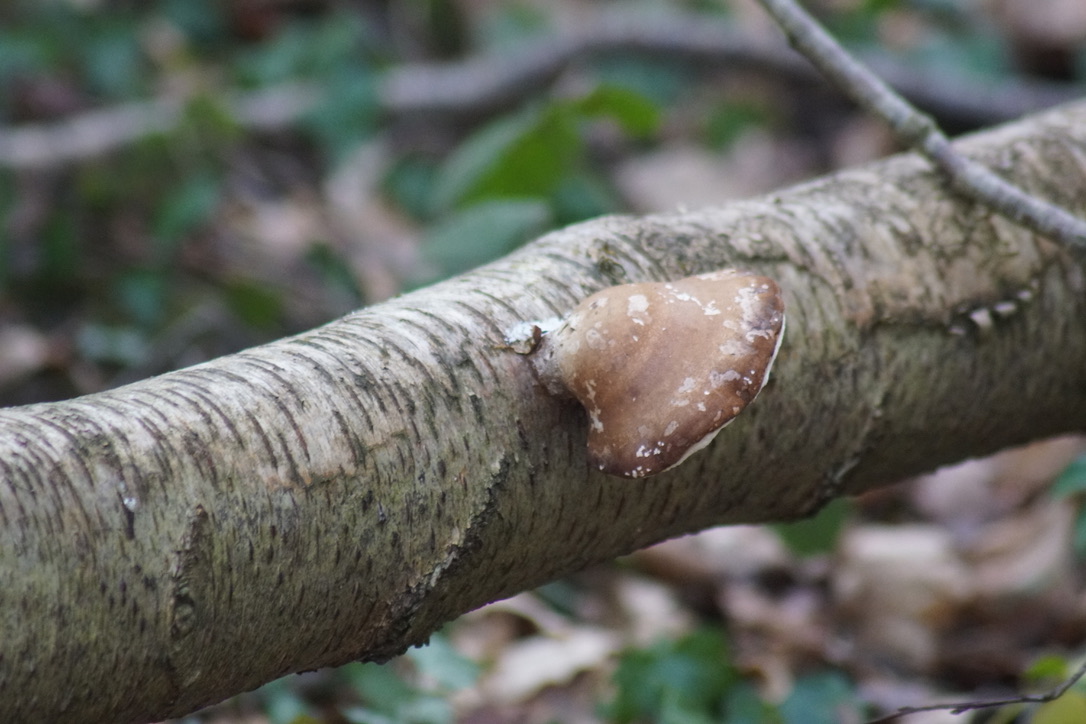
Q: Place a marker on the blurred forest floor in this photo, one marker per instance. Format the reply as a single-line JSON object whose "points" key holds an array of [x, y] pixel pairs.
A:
{"points": [[182, 179]]}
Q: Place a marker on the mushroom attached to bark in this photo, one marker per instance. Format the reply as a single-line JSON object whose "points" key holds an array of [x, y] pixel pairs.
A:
{"points": [[662, 367]]}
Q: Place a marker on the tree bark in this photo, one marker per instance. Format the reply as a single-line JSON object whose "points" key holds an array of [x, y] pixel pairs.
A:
{"points": [[340, 494]]}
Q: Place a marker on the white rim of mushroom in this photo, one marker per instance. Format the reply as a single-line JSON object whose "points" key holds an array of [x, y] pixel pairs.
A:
{"points": [[662, 367]]}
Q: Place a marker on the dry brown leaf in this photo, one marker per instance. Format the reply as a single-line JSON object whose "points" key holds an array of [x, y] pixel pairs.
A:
{"points": [[23, 351], [652, 611], [1026, 553], [686, 175], [959, 496], [1046, 23], [484, 634], [711, 556], [526, 667], [775, 635], [381, 243], [281, 229], [967, 495], [901, 586]]}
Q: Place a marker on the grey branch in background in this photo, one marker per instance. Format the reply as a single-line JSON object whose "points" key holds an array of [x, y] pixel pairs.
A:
{"points": [[485, 85], [920, 132]]}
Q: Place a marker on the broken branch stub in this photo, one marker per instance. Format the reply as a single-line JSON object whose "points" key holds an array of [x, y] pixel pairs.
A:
{"points": [[661, 367]]}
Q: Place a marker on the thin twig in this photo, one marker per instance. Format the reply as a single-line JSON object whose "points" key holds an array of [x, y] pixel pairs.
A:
{"points": [[920, 132], [483, 85], [963, 706]]}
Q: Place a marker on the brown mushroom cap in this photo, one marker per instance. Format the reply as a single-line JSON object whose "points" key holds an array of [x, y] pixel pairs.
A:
{"points": [[661, 367]]}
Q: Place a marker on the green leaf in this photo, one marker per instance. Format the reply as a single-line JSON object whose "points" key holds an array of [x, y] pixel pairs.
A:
{"points": [[187, 207], [335, 44], [306, 49], [200, 20], [683, 680], [282, 704], [209, 119], [379, 686], [561, 595], [335, 271], [822, 698], [818, 534], [62, 254], [981, 55], [1046, 670], [700, 671], [1071, 707], [581, 196], [255, 304], [730, 120], [391, 700], [745, 706], [468, 166], [483, 232], [410, 184], [527, 154], [441, 662], [881, 6], [675, 710], [275, 61], [21, 53], [348, 112], [142, 295], [1072, 481], [634, 112], [113, 61], [657, 80], [426, 710], [124, 346], [508, 26]]}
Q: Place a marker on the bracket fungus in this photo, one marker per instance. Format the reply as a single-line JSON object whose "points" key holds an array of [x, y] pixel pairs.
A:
{"points": [[661, 367]]}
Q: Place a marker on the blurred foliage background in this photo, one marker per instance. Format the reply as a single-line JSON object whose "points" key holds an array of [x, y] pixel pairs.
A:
{"points": [[180, 179]]}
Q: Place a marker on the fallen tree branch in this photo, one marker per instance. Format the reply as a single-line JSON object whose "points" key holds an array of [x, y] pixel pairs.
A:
{"points": [[340, 494], [482, 86]]}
